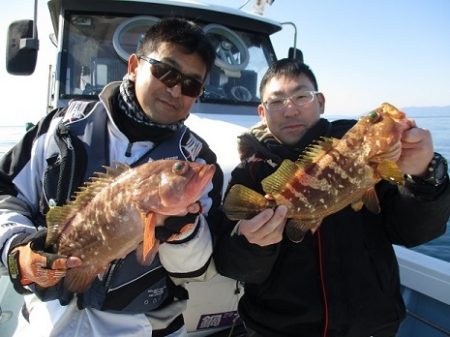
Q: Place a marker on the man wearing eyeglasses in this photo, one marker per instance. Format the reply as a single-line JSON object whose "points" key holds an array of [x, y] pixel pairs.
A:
{"points": [[136, 120], [343, 280]]}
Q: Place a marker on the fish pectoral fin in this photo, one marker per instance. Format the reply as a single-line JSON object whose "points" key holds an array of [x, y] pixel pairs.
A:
{"points": [[370, 200], [242, 202], [297, 229], [147, 260], [357, 205], [77, 280], [389, 170], [149, 234]]}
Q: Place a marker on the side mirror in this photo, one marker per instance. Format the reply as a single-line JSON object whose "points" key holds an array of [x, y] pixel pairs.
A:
{"points": [[21, 48], [295, 54]]}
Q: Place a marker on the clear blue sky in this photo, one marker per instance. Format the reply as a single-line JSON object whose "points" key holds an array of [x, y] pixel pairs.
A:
{"points": [[363, 52]]}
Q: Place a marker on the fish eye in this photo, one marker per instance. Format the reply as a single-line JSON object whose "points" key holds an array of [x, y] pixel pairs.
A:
{"points": [[179, 168], [374, 116]]}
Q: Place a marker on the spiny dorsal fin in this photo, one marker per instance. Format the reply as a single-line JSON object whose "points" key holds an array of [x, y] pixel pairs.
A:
{"points": [[315, 151], [276, 181], [114, 171], [58, 216]]}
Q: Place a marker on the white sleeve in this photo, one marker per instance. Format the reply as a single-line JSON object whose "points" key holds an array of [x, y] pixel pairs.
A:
{"points": [[189, 258]]}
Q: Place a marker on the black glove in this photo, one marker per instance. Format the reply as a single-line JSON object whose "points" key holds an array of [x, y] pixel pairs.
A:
{"points": [[174, 226]]}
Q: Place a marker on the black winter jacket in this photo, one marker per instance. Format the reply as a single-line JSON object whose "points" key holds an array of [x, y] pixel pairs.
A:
{"points": [[345, 277]]}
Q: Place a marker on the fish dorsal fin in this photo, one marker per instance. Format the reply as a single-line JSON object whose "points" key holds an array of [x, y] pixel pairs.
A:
{"points": [[314, 151], [57, 216], [389, 170], [97, 183], [113, 172], [276, 181]]}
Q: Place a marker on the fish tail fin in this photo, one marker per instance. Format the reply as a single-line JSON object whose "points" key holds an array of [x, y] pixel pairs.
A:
{"points": [[242, 203], [149, 234]]}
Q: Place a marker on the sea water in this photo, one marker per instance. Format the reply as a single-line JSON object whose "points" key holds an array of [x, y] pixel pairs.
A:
{"points": [[437, 122]]}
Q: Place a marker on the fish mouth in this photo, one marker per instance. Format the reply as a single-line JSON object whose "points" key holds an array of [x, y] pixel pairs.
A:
{"points": [[205, 174], [398, 116]]}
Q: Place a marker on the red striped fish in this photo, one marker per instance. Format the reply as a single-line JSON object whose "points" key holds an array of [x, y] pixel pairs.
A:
{"points": [[330, 175]]}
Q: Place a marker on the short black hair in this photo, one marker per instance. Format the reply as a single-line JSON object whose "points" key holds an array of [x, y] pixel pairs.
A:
{"points": [[187, 34], [289, 68]]}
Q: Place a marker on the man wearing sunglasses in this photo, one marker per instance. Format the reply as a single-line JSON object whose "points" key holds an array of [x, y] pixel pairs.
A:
{"points": [[136, 120], [342, 280]]}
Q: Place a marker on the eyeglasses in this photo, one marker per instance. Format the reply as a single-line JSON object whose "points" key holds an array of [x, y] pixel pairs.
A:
{"points": [[299, 98], [171, 76]]}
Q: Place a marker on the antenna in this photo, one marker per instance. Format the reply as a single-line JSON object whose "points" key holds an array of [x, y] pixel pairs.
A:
{"points": [[33, 42], [295, 32], [293, 51], [245, 3]]}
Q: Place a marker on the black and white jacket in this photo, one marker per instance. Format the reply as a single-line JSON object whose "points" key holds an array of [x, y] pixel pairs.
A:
{"points": [[51, 161]]}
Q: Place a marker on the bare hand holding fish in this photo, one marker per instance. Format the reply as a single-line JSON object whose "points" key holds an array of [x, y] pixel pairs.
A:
{"points": [[417, 151], [266, 228]]}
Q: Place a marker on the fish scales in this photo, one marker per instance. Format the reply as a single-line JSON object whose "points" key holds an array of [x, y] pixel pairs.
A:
{"points": [[329, 175], [318, 189]]}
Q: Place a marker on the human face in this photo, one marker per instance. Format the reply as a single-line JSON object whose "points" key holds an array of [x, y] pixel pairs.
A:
{"points": [[289, 124], [160, 103]]}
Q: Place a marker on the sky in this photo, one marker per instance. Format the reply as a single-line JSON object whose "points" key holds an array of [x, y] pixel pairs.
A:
{"points": [[363, 52]]}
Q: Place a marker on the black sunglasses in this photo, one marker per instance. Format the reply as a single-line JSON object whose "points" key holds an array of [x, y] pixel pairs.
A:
{"points": [[171, 76]]}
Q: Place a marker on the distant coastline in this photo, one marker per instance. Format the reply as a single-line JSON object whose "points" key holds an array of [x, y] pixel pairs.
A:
{"points": [[427, 111]]}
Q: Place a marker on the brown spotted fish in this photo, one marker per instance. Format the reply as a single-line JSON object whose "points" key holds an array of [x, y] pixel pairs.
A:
{"points": [[330, 175], [116, 211]]}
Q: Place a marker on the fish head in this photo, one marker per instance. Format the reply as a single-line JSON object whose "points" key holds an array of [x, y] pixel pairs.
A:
{"points": [[173, 185], [381, 132]]}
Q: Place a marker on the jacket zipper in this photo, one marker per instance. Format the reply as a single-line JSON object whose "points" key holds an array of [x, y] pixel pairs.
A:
{"points": [[70, 148], [113, 267]]}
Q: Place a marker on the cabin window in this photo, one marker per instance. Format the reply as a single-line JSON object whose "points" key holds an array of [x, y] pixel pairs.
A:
{"points": [[96, 50]]}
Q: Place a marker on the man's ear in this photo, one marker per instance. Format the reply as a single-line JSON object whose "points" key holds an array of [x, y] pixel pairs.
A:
{"points": [[321, 100], [133, 62], [261, 111]]}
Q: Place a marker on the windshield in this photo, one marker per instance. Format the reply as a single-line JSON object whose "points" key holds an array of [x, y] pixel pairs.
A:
{"points": [[96, 49]]}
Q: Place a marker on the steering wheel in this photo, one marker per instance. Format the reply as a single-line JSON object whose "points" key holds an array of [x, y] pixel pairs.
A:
{"points": [[231, 52]]}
